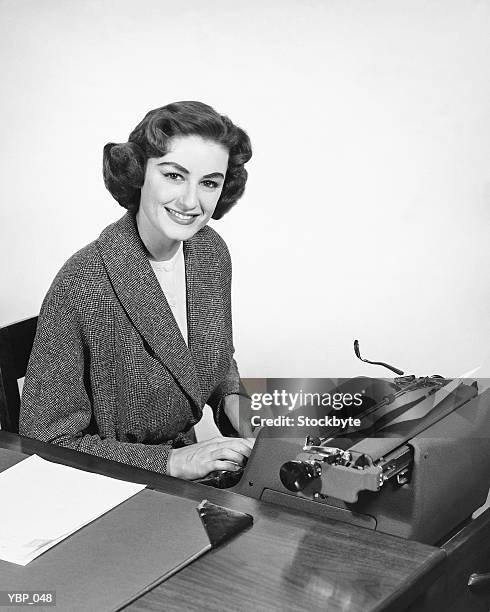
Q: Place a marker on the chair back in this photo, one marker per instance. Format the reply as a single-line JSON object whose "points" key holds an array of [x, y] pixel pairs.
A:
{"points": [[16, 342]]}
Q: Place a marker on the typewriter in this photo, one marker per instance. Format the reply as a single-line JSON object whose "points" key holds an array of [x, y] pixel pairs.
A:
{"points": [[416, 464]]}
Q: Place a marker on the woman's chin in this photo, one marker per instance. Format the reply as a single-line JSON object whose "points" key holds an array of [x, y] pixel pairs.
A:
{"points": [[176, 231]]}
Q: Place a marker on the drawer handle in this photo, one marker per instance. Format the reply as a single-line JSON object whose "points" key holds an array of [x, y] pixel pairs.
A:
{"points": [[479, 584]]}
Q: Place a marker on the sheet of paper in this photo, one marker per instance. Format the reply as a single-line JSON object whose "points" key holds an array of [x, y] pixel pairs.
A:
{"points": [[41, 503]]}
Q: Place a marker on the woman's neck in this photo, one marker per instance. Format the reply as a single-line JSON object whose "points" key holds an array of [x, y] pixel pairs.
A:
{"points": [[158, 247]]}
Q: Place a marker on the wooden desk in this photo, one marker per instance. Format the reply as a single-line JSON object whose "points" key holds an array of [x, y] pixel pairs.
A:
{"points": [[287, 561]]}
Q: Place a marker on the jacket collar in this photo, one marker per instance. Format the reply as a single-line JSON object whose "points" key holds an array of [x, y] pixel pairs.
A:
{"points": [[141, 296]]}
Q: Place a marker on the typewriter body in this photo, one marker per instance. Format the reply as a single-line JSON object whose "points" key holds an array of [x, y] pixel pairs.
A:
{"points": [[418, 470], [417, 467]]}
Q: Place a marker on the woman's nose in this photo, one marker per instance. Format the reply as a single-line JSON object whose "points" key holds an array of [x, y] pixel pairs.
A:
{"points": [[189, 198]]}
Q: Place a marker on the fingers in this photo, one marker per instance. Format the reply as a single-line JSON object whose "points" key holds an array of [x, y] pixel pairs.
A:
{"points": [[224, 465], [246, 429], [221, 453], [228, 454], [240, 445], [197, 460]]}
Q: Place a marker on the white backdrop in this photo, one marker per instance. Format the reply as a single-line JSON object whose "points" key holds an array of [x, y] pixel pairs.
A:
{"points": [[367, 209]]}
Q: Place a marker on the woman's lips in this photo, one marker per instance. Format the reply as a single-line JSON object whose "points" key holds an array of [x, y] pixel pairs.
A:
{"points": [[180, 217]]}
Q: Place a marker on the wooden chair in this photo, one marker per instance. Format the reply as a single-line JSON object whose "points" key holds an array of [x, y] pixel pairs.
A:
{"points": [[15, 347]]}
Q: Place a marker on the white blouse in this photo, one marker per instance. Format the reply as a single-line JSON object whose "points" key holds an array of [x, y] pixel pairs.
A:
{"points": [[171, 276]]}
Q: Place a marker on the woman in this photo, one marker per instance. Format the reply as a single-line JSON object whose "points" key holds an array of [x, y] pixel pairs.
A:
{"points": [[135, 335]]}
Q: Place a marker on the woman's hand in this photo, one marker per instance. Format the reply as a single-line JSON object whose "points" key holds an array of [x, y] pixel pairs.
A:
{"points": [[237, 409], [197, 460]]}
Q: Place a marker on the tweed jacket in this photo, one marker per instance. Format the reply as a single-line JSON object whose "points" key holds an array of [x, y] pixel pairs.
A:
{"points": [[110, 373]]}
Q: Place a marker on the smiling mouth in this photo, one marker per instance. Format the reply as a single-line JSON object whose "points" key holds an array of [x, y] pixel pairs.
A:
{"points": [[180, 216]]}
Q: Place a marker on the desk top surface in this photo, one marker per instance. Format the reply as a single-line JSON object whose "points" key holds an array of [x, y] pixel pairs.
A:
{"points": [[287, 561]]}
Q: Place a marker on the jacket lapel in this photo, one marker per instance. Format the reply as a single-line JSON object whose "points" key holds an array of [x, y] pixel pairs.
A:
{"points": [[205, 308], [141, 296]]}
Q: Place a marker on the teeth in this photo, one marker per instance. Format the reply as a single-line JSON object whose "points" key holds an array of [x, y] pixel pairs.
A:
{"points": [[179, 215]]}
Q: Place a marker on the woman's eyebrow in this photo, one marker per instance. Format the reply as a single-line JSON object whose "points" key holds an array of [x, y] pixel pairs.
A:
{"points": [[175, 165], [214, 175], [185, 171]]}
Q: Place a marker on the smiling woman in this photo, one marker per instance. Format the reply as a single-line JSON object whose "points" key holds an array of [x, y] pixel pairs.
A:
{"points": [[135, 334], [177, 201]]}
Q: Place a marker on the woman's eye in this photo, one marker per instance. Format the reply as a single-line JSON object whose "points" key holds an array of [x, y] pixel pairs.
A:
{"points": [[173, 176], [210, 184]]}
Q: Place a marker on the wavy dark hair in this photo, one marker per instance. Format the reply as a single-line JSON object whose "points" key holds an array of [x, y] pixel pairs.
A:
{"points": [[125, 164]]}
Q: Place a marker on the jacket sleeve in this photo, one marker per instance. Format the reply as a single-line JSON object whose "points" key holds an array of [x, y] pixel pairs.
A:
{"points": [[231, 383], [55, 405]]}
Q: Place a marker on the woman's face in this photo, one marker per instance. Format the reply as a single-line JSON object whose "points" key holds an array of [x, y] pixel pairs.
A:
{"points": [[180, 192]]}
